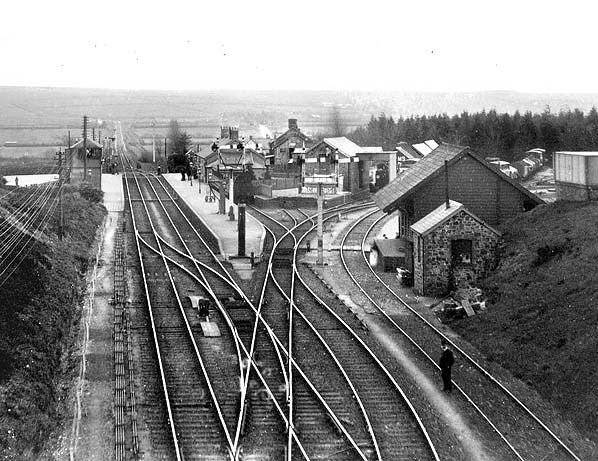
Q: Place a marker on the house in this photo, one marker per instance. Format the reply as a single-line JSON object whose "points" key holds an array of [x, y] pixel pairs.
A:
{"points": [[452, 247], [236, 161], [484, 190], [336, 160], [283, 146], [84, 161], [576, 175]]}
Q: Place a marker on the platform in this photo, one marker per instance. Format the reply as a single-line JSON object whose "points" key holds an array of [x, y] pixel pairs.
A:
{"points": [[112, 186], [221, 226]]}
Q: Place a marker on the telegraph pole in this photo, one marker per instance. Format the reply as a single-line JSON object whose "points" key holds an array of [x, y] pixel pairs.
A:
{"points": [[85, 148], [60, 183]]}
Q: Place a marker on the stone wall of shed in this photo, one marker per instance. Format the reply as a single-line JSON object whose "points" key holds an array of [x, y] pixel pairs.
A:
{"points": [[436, 274]]}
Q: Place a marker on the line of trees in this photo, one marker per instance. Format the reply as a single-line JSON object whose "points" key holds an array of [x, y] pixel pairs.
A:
{"points": [[489, 133]]}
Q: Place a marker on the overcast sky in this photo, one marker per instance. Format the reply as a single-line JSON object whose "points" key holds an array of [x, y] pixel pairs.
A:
{"points": [[400, 45]]}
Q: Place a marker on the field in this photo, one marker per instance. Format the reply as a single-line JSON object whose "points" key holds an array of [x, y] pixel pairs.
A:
{"points": [[40, 118]]}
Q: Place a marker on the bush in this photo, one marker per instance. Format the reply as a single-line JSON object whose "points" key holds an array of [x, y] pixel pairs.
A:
{"points": [[91, 194]]}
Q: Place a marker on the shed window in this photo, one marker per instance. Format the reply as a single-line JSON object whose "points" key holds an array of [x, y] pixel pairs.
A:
{"points": [[461, 251]]}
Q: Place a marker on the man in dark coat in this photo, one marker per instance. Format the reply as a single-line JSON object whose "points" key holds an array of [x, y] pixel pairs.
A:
{"points": [[446, 362]]}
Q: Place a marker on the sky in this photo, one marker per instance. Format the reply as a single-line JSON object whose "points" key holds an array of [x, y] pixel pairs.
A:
{"points": [[396, 45]]}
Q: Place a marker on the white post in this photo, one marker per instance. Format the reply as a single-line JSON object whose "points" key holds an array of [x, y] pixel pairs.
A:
{"points": [[320, 260]]}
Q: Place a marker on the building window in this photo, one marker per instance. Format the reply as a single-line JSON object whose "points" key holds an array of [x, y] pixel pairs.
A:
{"points": [[461, 251]]}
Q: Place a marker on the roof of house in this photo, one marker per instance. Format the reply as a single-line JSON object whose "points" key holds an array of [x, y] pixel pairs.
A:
{"points": [[371, 150], [88, 143], [286, 135], [408, 151], [411, 179], [422, 148], [431, 143], [345, 146], [440, 215], [233, 157]]}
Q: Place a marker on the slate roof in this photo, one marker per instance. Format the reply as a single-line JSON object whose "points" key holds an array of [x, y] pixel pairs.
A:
{"points": [[423, 148], [345, 146], [409, 180], [286, 135], [440, 215], [408, 151]]}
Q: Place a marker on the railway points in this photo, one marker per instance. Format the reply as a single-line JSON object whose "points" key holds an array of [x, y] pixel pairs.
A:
{"points": [[303, 367]]}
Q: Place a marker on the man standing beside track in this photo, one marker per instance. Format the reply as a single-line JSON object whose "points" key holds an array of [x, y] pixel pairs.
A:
{"points": [[446, 362]]}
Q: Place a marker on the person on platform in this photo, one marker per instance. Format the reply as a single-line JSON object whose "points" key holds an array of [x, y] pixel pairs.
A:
{"points": [[446, 362]]}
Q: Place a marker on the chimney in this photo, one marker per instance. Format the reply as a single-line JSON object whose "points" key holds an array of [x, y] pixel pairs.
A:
{"points": [[224, 130], [234, 133], [293, 124]]}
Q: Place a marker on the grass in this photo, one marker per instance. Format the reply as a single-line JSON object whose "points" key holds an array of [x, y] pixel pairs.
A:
{"points": [[38, 317], [543, 319]]}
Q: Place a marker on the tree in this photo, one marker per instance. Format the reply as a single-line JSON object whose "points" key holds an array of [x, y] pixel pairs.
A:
{"points": [[179, 140], [337, 124]]}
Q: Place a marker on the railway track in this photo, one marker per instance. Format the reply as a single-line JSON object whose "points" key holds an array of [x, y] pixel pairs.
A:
{"points": [[381, 423], [519, 431]]}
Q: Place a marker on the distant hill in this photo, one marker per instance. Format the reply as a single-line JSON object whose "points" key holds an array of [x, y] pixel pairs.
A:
{"points": [[63, 107], [543, 319]]}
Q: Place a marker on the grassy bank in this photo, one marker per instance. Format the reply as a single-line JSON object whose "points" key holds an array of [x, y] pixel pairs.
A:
{"points": [[542, 322], [38, 316]]}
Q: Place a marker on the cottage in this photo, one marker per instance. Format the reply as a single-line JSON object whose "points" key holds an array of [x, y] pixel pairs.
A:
{"points": [[452, 248], [454, 170], [283, 147]]}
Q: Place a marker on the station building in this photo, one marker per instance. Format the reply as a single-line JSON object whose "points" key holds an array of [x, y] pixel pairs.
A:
{"points": [[84, 159]]}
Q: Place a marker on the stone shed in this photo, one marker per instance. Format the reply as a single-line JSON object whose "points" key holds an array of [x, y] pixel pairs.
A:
{"points": [[452, 247]]}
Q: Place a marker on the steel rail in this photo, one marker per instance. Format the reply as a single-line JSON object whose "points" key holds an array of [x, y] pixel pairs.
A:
{"points": [[254, 335], [209, 289], [373, 355], [411, 340], [171, 423], [250, 358], [334, 358], [456, 347], [296, 366], [186, 321]]}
